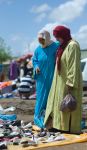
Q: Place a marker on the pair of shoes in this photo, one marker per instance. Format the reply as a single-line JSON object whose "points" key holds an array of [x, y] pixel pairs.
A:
{"points": [[27, 143], [30, 143], [16, 123], [29, 125], [3, 146], [57, 130], [42, 133]]}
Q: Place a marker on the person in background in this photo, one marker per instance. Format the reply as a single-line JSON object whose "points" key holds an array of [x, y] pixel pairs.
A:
{"points": [[25, 68], [21, 70], [44, 64], [26, 86], [2, 75], [67, 79], [13, 70]]}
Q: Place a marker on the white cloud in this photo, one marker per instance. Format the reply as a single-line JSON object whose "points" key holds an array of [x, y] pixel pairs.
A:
{"points": [[81, 36], [40, 17], [50, 26], [15, 38], [8, 2], [62, 13], [24, 45], [20, 44], [83, 29], [40, 9], [33, 45], [68, 11]]}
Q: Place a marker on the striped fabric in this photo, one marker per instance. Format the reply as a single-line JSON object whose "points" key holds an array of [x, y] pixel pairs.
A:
{"points": [[26, 84]]}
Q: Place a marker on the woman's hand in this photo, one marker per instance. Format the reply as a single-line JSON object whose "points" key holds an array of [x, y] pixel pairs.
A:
{"points": [[69, 89], [37, 70]]}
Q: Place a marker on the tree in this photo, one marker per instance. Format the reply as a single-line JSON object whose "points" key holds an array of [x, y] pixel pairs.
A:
{"points": [[5, 52]]}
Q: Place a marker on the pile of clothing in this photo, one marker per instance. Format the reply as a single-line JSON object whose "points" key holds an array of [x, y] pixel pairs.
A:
{"points": [[84, 113], [26, 86]]}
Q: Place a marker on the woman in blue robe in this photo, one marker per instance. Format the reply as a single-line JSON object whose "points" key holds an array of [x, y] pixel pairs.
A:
{"points": [[44, 63]]}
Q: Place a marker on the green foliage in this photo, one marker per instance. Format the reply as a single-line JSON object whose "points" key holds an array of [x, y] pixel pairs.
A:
{"points": [[5, 52]]}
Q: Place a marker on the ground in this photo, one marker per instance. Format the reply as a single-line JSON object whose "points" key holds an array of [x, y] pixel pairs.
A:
{"points": [[24, 108]]}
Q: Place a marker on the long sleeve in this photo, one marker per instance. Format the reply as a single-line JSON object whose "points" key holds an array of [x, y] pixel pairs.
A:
{"points": [[73, 65], [35, 62], [35, 59]]}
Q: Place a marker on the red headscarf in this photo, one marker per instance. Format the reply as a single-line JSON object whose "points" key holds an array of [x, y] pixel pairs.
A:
{"points": [[64, 33]]}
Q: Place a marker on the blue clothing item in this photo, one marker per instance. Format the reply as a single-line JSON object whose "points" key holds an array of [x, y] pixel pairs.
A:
{"points": [[83, 124], [1, 67], [45, 59], [10, 117]]}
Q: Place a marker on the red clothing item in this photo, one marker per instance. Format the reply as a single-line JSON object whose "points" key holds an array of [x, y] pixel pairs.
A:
{"points": [[64, 33]]}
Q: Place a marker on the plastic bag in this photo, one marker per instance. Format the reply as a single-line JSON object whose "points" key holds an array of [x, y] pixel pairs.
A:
{"points": [[68, 104]]}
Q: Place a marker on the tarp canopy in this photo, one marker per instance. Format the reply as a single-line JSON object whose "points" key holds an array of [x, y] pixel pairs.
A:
{"points": [[24, 57]]}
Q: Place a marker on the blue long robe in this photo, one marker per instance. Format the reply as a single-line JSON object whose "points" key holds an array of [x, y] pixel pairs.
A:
{"points": [[44, 58]]}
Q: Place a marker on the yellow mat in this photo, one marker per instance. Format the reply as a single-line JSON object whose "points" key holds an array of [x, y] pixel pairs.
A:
{"points": [[70, 139]]}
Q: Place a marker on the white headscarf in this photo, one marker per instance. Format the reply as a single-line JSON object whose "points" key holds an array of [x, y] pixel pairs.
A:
{"points": [[46, 36]]}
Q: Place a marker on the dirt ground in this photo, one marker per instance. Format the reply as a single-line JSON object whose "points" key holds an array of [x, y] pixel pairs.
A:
{"points": [[24, 108], [25, 111]]}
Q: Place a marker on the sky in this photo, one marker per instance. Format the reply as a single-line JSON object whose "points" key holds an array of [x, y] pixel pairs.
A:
{"points": [[21, 20]]}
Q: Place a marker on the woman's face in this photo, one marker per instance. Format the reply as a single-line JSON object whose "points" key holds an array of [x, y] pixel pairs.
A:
{"points": [[59, 39], [41, 41]]}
